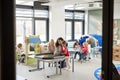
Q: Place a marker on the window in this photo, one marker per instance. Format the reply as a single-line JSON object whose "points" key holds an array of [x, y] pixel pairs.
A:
{"points": [[23, 28], [68, 30], [79, 15], [68, 15], [24, 12], [31, 21], [74, 21], [41, 13], [78, 29], [40, 29]]}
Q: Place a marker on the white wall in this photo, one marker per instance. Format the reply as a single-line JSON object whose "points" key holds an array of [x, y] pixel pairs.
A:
{"points": [[57, 22]]}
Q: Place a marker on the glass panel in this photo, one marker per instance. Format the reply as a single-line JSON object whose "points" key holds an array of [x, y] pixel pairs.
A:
{"points": [[24, 12], [78, 30], [116, 39], [68, 15], [23, 29], [79, 15], [40, 29], [68, 30], [95, 22], [41, 13]]}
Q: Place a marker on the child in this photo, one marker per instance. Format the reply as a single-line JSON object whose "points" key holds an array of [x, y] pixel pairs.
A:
{"points": [[77, 46], [66, 53], [21, 54], [85, 51]]}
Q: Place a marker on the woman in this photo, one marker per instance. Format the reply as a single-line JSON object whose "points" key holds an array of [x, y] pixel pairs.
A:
{"points": [[58, 46]]}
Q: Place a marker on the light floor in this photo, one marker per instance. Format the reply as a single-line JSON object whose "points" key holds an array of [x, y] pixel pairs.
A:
{"points": [[84, 71]]}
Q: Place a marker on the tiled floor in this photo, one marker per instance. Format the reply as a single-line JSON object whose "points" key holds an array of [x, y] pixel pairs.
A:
{"points": [[84, 71]]}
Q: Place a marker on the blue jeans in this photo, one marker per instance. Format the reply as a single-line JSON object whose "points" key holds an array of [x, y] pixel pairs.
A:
{"points": [[78, 54], [83, 56]]}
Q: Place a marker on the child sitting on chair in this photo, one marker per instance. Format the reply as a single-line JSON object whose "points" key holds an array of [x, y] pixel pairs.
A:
{"points": [[21, 55], [77, 46], [66, 53], [84, 51]]}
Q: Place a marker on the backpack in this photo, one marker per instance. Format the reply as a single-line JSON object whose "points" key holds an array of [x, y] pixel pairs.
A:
{"points": [[63, 64]]}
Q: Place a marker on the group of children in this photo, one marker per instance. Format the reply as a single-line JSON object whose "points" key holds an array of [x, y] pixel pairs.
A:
{"points": [[86, 45], [59, 48], [83, 50]]}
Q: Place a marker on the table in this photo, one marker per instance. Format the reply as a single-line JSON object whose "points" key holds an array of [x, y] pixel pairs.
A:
{"points": [[50, 59]]}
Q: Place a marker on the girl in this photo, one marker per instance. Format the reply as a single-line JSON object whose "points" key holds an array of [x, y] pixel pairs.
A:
{"points": [[77, 46], [66, 53]]}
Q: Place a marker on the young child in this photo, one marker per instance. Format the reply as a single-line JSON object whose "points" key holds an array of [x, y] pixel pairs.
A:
{"points": [[85, 51], [21, 54], [66, 53], [77, 46]]}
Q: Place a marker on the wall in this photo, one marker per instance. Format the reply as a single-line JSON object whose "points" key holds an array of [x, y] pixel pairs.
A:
{"points": [[57, 22]]}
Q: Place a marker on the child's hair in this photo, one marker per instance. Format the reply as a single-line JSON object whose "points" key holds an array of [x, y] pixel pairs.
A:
{"points": [[88, 41], [19, 45], [85, 43], [64, 42]]}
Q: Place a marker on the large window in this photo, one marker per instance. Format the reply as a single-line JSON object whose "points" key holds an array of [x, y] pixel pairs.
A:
{"points": [[74, 21], [30, 21]]}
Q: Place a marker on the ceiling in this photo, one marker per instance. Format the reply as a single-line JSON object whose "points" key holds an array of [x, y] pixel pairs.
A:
{"points": [[69, 4]]}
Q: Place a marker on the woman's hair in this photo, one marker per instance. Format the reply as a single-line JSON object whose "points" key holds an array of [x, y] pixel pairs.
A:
{"points": [[52, 41], [57, 44]]}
